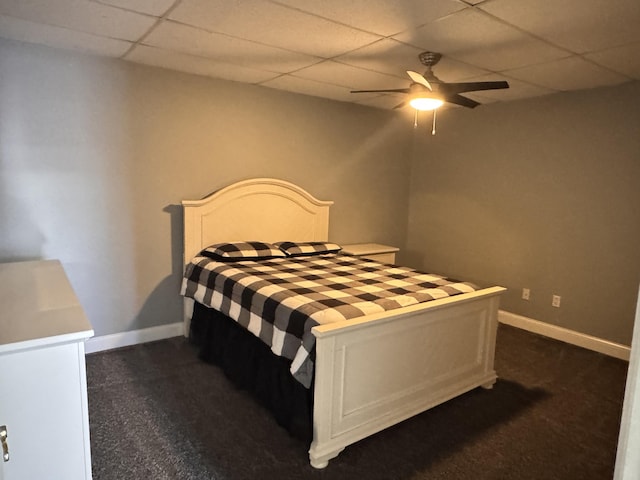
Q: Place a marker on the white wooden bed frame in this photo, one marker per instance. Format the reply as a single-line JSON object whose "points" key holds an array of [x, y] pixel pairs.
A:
{"points": [[374, 371]]}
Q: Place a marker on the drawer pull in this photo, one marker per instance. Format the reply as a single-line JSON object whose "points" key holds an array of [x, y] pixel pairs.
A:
{"points": [[5, 445]]}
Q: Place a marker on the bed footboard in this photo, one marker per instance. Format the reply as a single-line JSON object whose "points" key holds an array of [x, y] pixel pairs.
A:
{"points": [[376, 372]]}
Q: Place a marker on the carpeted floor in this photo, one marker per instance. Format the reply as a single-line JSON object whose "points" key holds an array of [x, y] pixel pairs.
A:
{"points": [[157, 412]]}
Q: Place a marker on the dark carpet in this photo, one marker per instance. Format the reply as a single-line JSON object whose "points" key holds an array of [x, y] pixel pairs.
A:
{"points": [[157, 412]]}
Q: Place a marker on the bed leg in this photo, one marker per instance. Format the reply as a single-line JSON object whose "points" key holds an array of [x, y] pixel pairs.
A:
{"points": [[488, 385], [321, 461], [317, 464]]}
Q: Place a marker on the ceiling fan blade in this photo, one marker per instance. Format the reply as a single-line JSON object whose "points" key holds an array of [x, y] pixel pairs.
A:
{"points": [[460, 100], [400, 105], [417, 78], [392, 90], [472, 86]]}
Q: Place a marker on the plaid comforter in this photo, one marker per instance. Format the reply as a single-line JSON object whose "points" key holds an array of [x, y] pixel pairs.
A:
{"points": [[281, 299]]}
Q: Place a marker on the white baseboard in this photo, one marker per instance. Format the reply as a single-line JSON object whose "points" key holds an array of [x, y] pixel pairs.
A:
{"points": [[565, 335], [124, 339]]}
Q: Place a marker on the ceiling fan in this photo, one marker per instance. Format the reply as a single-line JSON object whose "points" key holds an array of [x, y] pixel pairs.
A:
{"points": [[428, 92]]}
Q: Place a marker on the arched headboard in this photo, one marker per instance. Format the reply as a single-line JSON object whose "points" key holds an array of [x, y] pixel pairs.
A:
{"points": [[264, 209]]}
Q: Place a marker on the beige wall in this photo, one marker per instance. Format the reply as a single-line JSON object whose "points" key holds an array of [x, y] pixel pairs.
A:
{"points": [[96, 154], [542, 193]]}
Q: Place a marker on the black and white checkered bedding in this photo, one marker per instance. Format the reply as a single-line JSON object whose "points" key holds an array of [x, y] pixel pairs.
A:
{"points": [[280, 300]]}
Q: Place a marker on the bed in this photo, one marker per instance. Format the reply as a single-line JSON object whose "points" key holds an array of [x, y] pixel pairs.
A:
{"points": [[372, 371]]}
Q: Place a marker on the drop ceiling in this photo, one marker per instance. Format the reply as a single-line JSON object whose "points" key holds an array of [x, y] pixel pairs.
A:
{"points": [[327, 48]]}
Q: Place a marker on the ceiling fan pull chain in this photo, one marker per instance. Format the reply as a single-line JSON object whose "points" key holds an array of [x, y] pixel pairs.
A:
{"points": [[433, 130], [415, 120]]}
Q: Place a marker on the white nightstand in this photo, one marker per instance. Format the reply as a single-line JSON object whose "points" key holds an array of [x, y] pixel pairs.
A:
{"points": [[372, 251]]}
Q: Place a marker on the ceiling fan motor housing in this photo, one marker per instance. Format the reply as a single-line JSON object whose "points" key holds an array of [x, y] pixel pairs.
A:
{"points": [[429, 59]]}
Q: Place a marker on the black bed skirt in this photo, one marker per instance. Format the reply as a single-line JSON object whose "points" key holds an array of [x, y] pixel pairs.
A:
{"points": [[251, 366]]}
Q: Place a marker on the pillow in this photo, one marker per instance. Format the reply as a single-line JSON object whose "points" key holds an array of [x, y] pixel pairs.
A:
{"points": [[298, 249], [238, 251]]}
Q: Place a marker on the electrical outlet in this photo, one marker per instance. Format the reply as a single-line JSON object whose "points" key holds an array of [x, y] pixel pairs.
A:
{"points": [[526, 293], [555, 301]]}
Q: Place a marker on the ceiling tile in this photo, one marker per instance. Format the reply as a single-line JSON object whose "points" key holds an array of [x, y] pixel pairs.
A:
{"points": [[354, 78], [286, 28], [572, 73], [385, 56], [578, 25], [156, 8], [226, 49], [378, 16], [475, 38], [310, 87], [625, 59], [197, 65], [81, 15], [25, 31]]}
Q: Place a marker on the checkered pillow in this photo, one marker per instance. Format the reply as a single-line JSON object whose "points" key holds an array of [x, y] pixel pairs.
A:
{"points": [[299, 249], [238, 251]]}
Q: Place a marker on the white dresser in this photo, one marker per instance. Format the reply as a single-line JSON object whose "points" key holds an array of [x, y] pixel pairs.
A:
{"points": [[43, 384]]}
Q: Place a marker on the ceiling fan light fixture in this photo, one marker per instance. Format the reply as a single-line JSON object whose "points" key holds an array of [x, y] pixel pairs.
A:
{"points": [[428, 93], [425, 103]]}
